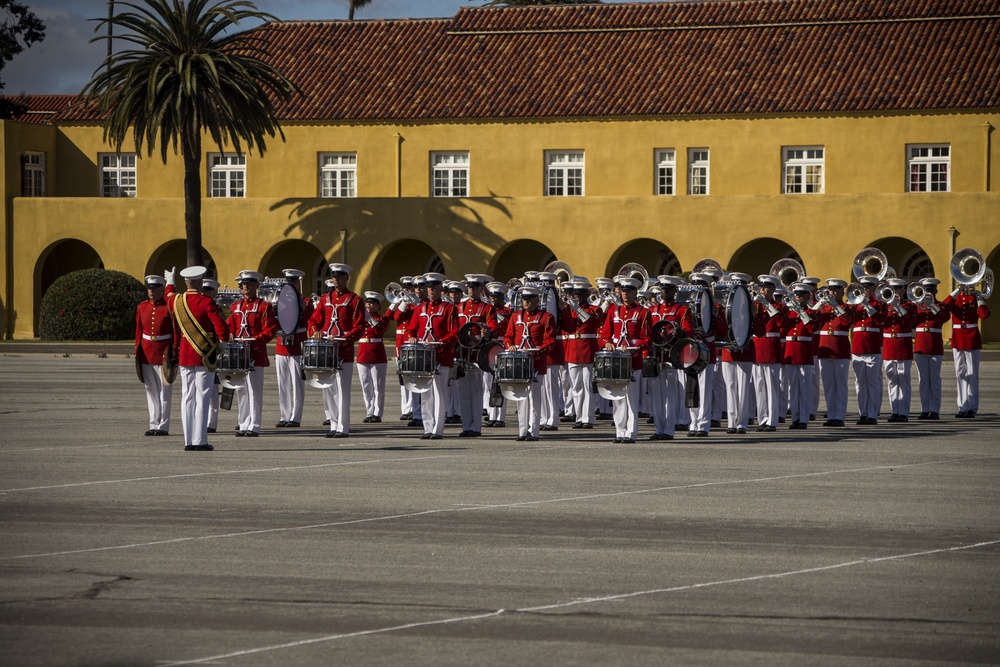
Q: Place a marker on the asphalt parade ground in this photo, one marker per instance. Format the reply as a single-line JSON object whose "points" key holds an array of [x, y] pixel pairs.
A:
{"points": [[875, 545]]}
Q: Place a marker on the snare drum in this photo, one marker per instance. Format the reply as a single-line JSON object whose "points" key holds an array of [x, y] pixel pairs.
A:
{"points": [[689, 355], [613, 366], [320, 355], [517, 367], [417, 360], [233, 357]]}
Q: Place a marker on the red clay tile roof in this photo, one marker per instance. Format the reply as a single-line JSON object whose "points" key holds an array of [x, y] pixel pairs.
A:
{"points": [[654, 59], [41, 108]]}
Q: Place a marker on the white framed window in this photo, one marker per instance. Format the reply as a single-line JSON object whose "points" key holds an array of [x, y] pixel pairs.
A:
{"points": [[698, 171], [450, 174], [666, 165], [338, 174], [929, 167], [803, 169], [117, 175], [564, 172], [33, 176], [227, 175]]}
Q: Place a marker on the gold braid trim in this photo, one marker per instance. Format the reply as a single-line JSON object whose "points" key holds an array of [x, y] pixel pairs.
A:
{"points": [[192, 330]]}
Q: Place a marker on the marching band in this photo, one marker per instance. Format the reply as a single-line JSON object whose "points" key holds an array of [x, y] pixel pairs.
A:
{"points": [[554, 347]]}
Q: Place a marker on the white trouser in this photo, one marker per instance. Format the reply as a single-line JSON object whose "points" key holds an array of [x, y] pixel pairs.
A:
{"points": [[498, 414], [835, 378], [702, 415], [158, 395], [197, 383], [663, 401], [767, 387], [213, 409], [799, 390], [736, 375], [470, 398], [898, 387], [566, 386], [814, 408], [683, 416], [626, 410], [434, 402], [529, 413], [967, 378], [581, 379], [868, 383], [785, 396], [250, 400], [337, 398], [718, 392], [551, 396], [372, 379], [291, 387], [405, 396], [929, 377], [451, 394]]}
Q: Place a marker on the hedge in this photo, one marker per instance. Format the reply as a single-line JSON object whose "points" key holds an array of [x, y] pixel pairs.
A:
{"points": [[93, 304]]}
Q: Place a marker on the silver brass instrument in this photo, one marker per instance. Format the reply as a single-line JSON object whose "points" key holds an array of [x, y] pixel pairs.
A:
{"points": [[792, 304], [887, 295], [768, 306], [920, 296], [986, 286], [968, 268], [857, 295], [396, 296], [871, 262], [824, 297], [787, 271], [573, 301], [594, 297], [707, 264], [637, 272], [514, 286], [563, 271]]}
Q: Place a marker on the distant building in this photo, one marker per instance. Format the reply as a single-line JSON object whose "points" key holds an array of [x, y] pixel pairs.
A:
{"points": [[500, 140]]}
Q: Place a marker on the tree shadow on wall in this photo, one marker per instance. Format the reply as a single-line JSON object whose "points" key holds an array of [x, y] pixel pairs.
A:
{"points": [[455, 228]]}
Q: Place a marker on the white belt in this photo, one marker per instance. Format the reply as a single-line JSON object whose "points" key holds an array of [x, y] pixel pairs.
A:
{"points": [[964, 326], [928, 329], [800, 339], [897, 335], [163, 337], [575, 336], [771, 334], [401, 332], [833, 333], [369, 340], [868, 329]]}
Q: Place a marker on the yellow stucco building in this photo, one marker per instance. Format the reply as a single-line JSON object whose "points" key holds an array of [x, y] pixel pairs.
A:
{"points": [[503, 139]]}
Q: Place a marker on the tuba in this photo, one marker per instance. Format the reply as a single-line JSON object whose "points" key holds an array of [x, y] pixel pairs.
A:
{"points": [[707, 264], [563, 271], [787, 271], [638, 272], [968, 268], [871, 262], [986, 286]]}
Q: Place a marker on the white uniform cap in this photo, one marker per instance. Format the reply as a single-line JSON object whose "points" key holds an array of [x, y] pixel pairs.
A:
{"points": [[800, 287], [741, 277], [294, 273], [930, 282], [580, 285], [700, 278], [897, 282], [667, 281], [604, 283], [531, 275], [547, 276], [155, 281], [419, 280], [249, 275], [374, 296], [869, 281], [194, 273], [457, 285], [625, 281], [780, 292], [714, 273], [836, 282], [480, 278], [435, 278], [341, 268], [767, 279], [210, 283], [811, 280], [530, 291], [496, 288], [406, 280]]}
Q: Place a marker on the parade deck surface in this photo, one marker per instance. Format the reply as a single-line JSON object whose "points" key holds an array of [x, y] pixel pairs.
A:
{"points": [[863, 545]]}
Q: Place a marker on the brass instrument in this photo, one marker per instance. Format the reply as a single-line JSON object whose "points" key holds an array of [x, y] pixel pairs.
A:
{"points": [[986, 286], [563, 271], [857, 295], [637, 272], [573, 301], [824, 297], [787, 271], [768, 306], [871, 262], [967, 268], [707, 264], [887, 295], [920, 296], [792, 304], [594, 297]]}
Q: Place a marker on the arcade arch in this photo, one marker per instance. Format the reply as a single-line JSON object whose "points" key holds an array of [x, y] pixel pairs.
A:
{"points": [[60, 258]]}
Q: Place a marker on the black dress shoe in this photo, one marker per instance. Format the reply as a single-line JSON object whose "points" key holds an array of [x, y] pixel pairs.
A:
{"points": [[326, 422], [655, 436], [617, 441], [425, 436], [861, 421], [198, 448], [770, 429], [871, 421], [416, 422], [375, 420], [586, 425], [521, 438], [740, 430], [701, 434], [151, 431], [666, 436], [933, 416], [731, 431], [341, 435], [454, 419], [281, 424], [781, 420], [532, 438], [922, 416], [464, 434], [568, 419], [500, 424], [628, 441], [715, 423], [251, 434], [366, 420], [578, 425], [161, 432], [902, 418], [291, 424], [211, 430], [240, 434], [330, 434], [435, 436], [892, 419], [406, 417], [692, 434], [549, 428]]}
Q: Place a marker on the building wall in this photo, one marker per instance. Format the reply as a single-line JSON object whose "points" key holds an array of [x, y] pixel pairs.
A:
{"points": [[394, 227]]}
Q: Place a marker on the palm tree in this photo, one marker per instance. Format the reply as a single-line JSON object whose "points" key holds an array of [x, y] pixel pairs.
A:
{"points": [[187, 77], [353, 5]]}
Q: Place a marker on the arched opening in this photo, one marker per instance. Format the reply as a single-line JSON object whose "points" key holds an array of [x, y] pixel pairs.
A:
{"points": [[407, 257], [297, 254], [653, 255], [903, 256], [173, 254], [57, 260], [991, 325], [516, 257], [758, 256]]}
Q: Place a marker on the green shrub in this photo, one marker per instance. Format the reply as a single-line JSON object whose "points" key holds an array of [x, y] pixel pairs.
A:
{"points": [[93, 304]]}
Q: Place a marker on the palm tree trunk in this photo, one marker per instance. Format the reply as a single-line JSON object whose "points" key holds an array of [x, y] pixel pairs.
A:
{"points": [[192, 199]]}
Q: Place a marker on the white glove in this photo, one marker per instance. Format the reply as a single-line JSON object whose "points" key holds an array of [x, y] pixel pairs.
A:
{"points": [[955, 293], [980, 301], [169, 275]]}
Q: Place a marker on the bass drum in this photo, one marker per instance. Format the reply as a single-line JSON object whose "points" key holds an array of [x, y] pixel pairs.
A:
{"points": [[288, 308], [739, 317], [487, 356], [689, 355], [703, 311]]}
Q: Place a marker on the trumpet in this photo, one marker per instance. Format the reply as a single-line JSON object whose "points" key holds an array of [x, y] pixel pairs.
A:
{"points": [[887, 295], [792, 304], [857, 295], [871, 262], [573, 301], [918, 295], [768, 306], [397, 296], [594, 297], [824, 297], [787, 271]]}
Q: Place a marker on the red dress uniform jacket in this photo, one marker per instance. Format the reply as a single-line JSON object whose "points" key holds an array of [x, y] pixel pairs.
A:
{"points": [[579, 337], [254, 319], [866, 334], [627, 326], [677, 313], [965, 316], [371, 347], [897, 334], [474, 310], [834, 333], [748, 353], [436, 322], [401, 316], [502, 316], [798, 340], [927, 336], [339, 316], [154, 331], [532, 331], [207, 313], [767, 334], [294, 348]]}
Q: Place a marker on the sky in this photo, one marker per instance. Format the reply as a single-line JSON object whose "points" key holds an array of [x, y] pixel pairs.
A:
{"points": [[66, 59]]}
